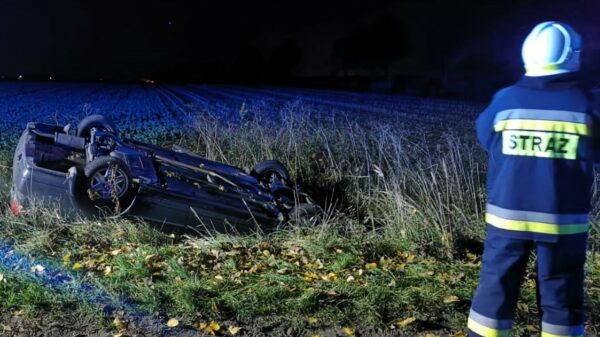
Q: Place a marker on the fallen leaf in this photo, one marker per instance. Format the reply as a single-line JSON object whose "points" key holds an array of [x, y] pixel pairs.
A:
{"points": [[77, 266], [370, 266], [210, 328], [115, 252], [350, 278], [406, 322], [471, 257], [107, 270], [531, 328], [312, 320], [119, 324], [530, 284], [172, 323], [522, 306], [310, 276], [215, 326], [331, 277], [219, 278], [66, 258], [451, 299], [233, 330], [459, 334], [2, 278], [349, 332], [458, 277], [319, 264]]}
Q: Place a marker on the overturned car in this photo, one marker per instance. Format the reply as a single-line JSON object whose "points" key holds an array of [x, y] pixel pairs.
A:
{"points": [[93, 172]]}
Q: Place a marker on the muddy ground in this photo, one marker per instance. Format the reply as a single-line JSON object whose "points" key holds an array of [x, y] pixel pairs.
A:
{"points": [[80, 325]]}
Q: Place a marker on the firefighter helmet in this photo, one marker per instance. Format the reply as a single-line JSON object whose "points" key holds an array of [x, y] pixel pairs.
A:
{"points": [[551, 48]]}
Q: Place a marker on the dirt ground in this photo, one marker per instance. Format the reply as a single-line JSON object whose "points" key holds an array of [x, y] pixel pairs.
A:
{"points": [[80, 325]]}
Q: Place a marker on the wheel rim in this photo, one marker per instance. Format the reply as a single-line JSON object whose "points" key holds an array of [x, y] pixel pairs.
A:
{"points": [[267, 176], [110, 182]]}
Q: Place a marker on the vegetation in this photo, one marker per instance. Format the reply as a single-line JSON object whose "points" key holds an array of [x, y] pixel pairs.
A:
{"points": [[398, 247]]}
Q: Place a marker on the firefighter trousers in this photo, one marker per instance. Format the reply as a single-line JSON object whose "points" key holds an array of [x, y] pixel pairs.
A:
{"points": [[559, 283]]}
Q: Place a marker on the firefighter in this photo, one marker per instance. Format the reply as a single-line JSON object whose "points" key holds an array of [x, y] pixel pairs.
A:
{"points": [[540, 139]]}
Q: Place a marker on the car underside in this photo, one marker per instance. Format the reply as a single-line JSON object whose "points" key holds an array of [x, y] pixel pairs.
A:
{"points": [[92, 172]]}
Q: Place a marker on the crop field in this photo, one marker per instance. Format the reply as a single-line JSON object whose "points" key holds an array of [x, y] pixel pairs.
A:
{"points": [[397, 252], [160, 110]]}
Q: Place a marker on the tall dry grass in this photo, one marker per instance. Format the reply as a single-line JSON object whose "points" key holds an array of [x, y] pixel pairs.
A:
{"points": [[422, 182], [417, 181]]}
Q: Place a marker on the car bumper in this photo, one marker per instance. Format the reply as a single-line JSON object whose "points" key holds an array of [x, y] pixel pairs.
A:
{"points": [[33, 185]]}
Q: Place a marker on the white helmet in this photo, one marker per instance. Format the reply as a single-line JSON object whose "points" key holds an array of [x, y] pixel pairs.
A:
{"points": [[551, 48]]}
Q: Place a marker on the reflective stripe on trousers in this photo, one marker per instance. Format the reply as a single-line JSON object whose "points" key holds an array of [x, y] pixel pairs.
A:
{"points": [[560, 281], [553, 330], [488, 327]]}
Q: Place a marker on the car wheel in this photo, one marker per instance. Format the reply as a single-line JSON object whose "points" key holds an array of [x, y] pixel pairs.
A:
{"points": [[305, 214], [95, 121], [266, 168], [109, 183]]}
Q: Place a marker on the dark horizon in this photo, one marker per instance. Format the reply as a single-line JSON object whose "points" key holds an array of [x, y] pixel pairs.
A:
{"points": [[431, 47]]}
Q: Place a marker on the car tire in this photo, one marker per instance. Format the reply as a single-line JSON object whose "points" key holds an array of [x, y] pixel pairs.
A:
{"points": [[263, 170], [95, 121], [109, 184], [305, 214]]}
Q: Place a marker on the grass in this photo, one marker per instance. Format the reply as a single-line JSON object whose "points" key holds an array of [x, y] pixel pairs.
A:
{"points": [[389, 177], [319, 277], [399, 239], [28, 298]]}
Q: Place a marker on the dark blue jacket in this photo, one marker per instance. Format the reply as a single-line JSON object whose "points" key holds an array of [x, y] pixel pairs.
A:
{"points": [[540, 135]]}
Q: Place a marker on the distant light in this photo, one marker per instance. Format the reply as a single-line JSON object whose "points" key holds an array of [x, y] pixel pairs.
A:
{"points": [[50, 78], [170, 22], [20, 77]]}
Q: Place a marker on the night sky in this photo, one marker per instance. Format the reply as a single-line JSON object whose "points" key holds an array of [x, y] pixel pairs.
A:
{"points": [[229, 40]]}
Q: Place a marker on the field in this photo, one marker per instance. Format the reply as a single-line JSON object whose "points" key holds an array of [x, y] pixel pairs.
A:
{"points": [[397, 252]]}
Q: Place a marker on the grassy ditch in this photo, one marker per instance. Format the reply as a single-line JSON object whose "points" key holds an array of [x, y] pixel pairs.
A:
{"points": [[310, 278], [399, 247]]}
